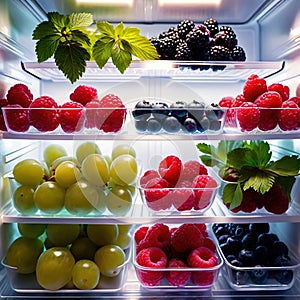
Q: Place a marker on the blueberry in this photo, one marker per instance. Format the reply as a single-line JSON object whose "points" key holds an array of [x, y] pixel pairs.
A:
{"points": [[190, 125], [141, 125], [221, 231], [240, 231], [153, 125], [261, 254], [223, 238], [234, 245], [236, 263], [249, 241], [142, 110], [279, 248], [282, 261], [214, 112], [171, 124], [160, 110], [178, 109], [267, 239], [246, 257], [259, 276], [284, 276], [225, 248], [258, 228], [230, 258], [196, 110]]}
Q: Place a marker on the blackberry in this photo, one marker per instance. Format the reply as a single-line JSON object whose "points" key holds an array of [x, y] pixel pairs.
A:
{"points": [[198, 37], [238, 54], [156, 43], [219, 53], [226, 39], [183, 52], [184, 27], [212, 26], [168, 48], [226, 28]]}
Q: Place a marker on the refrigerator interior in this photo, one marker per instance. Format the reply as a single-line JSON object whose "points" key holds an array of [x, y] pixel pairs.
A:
{"points": [[269, 31]]}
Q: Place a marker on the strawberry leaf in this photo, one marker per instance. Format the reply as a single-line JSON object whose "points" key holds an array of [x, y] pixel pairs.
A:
{"points": [[79, 20], [43, 30], [102, 50], [286, 166], [233, 195], [46, 47]]}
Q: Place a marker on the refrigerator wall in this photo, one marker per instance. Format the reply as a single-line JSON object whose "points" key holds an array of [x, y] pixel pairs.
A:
{"points": [[267, 30]]}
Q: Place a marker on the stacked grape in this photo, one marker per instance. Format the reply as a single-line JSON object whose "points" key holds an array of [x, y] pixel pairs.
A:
{"points": [[203, 42]]}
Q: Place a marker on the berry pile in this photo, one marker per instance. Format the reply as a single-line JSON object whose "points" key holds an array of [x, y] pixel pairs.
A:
{"points": [[183, 249], [44, 114], [181, 186], [200, 42], [264, 107], [255, 248], [193, 117]]}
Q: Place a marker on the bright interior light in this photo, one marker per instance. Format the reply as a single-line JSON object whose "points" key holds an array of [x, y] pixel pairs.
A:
{"points": [[189, 2], [295, 32], [106, 2]]}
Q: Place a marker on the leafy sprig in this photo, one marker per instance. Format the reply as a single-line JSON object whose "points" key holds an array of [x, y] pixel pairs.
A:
{"points": [[71, 41]]}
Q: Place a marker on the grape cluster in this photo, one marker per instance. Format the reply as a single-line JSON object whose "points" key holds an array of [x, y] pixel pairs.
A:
{"points": [[201, 42], [193, 117]]}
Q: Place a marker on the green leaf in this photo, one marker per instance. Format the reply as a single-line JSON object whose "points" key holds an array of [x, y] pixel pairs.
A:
{"points": [[71, 60], [102, 50], [80, 37], [205, 148], [44, 29], [58, 20], [233, 195], [119, 30], [286, 166], [210, 161], [262, 150], [106, 28], [224, 147], [78, 20], [46, 47], [121, 58], [238, 158]]}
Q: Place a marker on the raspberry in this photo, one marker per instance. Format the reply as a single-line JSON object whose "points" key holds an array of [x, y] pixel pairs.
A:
{"points": [[254, 87], [147, 176], [177, 278], [268, 115], [19, 94], [296, 100], [140, 234], [158, 235], [111, 120], [275, 200], [209, 243], [230, 119], [248, 116], [44, 114], [186, 238], [156, 194], [71, 117], [183, 196], [191, 169], [91, 113], [170, 169], [204, 189], [84, 94], [283, 90], [226, 102], [152, 257], [289, 116], [17, 118], [3, 103]]}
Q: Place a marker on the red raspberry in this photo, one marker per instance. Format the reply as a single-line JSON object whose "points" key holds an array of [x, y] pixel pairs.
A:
{"points": [[19, 94], [283, 90], [186, 238], [140, 234], [248, 116], [147, 176], [238, 101], [157, 194], [226, 102], [202, 227], [183, 196], [3, 103], [91, 113], [267, 102], [44, 114], [209, 243], [230, 119], [289, 116], [111, 120], [170, 169], [152, 257], [204, 189], [191, 169], [158, 235], [202, 257], [177, 278], [71, 117], [17, 117], [275, 200], [84, 94], [296, 100], [254, 87]]}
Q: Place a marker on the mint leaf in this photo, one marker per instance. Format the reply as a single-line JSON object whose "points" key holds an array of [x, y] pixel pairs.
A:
{"points": [[44, 29], [71, 60], [286, 166], [79, 20], [46, 47], [102, 50]]}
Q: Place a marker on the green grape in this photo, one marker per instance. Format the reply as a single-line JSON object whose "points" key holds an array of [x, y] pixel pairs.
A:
{"points": [[110, 259], [102, 234], [23, 254], [85, 274], [52, 152], [82, 197], [124, 228], [123, 240], [85, 149], [49, 197], [83, 248], [48, 244], [123, 169], [67, 173], [62, 234], [95, 169], [122, 149], [58, 161], [23, 200], [31, 230], [28, 172], [54, 268], [119, 200]]}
